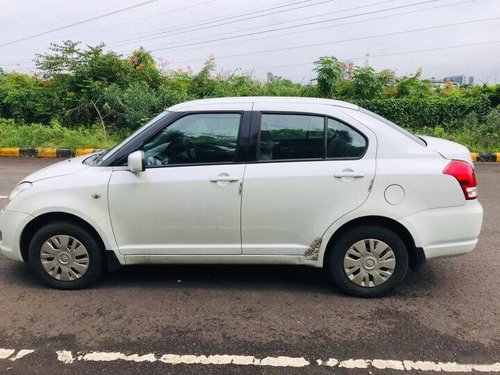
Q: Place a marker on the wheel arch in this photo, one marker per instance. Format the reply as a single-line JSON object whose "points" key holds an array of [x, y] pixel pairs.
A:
{"points": [[415, 254], [37, 222]]}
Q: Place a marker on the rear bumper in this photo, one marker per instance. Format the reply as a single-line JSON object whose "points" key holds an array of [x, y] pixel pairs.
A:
{"points": [[446, 232], [11, 225]]}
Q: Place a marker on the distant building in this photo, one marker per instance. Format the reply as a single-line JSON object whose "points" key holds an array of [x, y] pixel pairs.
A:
{"points": [[461, 80], [347, 69], [438, 82]]}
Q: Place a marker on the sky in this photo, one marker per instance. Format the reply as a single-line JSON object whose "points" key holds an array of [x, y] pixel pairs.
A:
{"points": [[285, 37]]}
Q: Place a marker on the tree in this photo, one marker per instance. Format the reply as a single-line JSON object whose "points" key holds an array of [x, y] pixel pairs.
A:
{"points": [[413, 86], [366, 83], [97, 85], [203, 83], [63, 58], [329, 71], [145, 68]]}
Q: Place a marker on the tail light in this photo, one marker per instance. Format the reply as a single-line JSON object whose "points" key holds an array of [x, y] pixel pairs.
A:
{"points": [[465, 175]]}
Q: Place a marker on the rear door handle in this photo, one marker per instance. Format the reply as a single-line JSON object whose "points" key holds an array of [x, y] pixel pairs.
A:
{"points": [[352, 174], [224, 178]]}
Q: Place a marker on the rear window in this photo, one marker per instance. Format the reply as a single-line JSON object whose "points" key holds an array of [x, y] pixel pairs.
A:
{"points": [[343, 141], [302, 136], [289, 137], [398, 128]]}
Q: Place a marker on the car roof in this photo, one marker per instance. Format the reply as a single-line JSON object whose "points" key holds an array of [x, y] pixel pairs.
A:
{"points": [[232, 101]]}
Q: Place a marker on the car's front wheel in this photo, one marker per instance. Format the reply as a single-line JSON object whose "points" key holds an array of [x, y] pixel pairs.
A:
{"points": [[66, 256], [368, 261]]}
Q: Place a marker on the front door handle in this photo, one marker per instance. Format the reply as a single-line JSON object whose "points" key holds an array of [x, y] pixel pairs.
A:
{"points": [[352, 174], [224, 178]]}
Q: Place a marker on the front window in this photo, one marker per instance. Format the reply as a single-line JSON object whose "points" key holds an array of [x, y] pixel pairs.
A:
{"points": [[107, 154], [195, 139]]}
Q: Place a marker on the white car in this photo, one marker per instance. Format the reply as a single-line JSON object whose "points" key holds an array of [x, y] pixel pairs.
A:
{"points": [[252, 180]]}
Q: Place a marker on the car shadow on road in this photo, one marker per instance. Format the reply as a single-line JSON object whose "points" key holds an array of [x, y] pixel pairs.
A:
{"points": [[257, 277], [252, 277], [225, 277]]}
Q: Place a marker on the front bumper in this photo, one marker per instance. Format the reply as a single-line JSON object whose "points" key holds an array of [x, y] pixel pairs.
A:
{"points": [[11, 226], [446, 232]]}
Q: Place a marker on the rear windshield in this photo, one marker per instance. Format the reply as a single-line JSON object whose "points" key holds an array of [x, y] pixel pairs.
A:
{"points": [[398, 128]]}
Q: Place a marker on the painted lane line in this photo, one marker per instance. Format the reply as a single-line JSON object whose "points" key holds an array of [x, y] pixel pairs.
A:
{"points": [[411, 365], [216, 359], [282, 361], [21, 353], [175, 359], [6, 353], [388, 364], [106, 357], [355, 363], [65, 356]]}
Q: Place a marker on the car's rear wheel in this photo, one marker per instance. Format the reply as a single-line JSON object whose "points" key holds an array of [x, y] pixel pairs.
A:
{"points": [[368, 261], [66, 256]]}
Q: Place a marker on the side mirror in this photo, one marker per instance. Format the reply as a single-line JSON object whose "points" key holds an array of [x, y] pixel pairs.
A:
{"points": [[136, 162]]}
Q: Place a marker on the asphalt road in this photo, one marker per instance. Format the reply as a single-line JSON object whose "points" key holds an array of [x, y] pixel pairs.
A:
{"points": [[449, 312]]}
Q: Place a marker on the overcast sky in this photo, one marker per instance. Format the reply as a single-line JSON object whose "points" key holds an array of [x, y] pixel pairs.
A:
{"points": [[283, 37]]}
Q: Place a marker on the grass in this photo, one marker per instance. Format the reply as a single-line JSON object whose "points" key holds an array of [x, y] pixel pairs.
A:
{"points": [[477, 136], [474, 141], [54, 135]]}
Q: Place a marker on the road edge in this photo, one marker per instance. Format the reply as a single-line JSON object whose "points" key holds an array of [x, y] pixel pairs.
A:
{"points": [[44, 152]]}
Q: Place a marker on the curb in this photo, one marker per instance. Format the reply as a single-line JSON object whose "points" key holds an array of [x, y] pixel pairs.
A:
{"points": [[53, 152], [485, 156], [50, 152]]}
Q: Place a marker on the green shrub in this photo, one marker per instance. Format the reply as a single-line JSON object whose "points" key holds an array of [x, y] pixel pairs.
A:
{"points": [[415, 113], [84, 86], [26, 98], [475, 135]]}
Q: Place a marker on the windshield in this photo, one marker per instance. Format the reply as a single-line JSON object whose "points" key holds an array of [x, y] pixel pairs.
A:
{"points": [[108, 153], [394, 126]]}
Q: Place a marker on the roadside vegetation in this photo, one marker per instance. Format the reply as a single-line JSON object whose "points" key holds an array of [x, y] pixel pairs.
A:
{"points": [[88, 96], [13, 134]]}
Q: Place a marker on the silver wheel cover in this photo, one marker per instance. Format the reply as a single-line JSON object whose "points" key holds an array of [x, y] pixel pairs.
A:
{"points": [[64, 258], [369, 263]]}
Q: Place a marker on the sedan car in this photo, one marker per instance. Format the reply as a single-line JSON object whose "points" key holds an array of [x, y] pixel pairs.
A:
{"points": [[253, 180]]}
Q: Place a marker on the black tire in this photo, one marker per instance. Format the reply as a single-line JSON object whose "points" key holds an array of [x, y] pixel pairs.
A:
{"points": [[340, 247], [96, 261]]}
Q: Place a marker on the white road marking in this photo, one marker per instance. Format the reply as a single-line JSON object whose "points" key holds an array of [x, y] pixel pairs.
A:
{"points": [[332, 362], [355, 363], [21, 353], [103, 356], [218, 359], [4, 196], [68, 357], [6, 353], [387, 364], [175, 359], [65, 356]]}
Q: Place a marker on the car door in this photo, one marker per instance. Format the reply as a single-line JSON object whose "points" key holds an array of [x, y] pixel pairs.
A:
{"points": [[312, 167], [187, 200]]}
